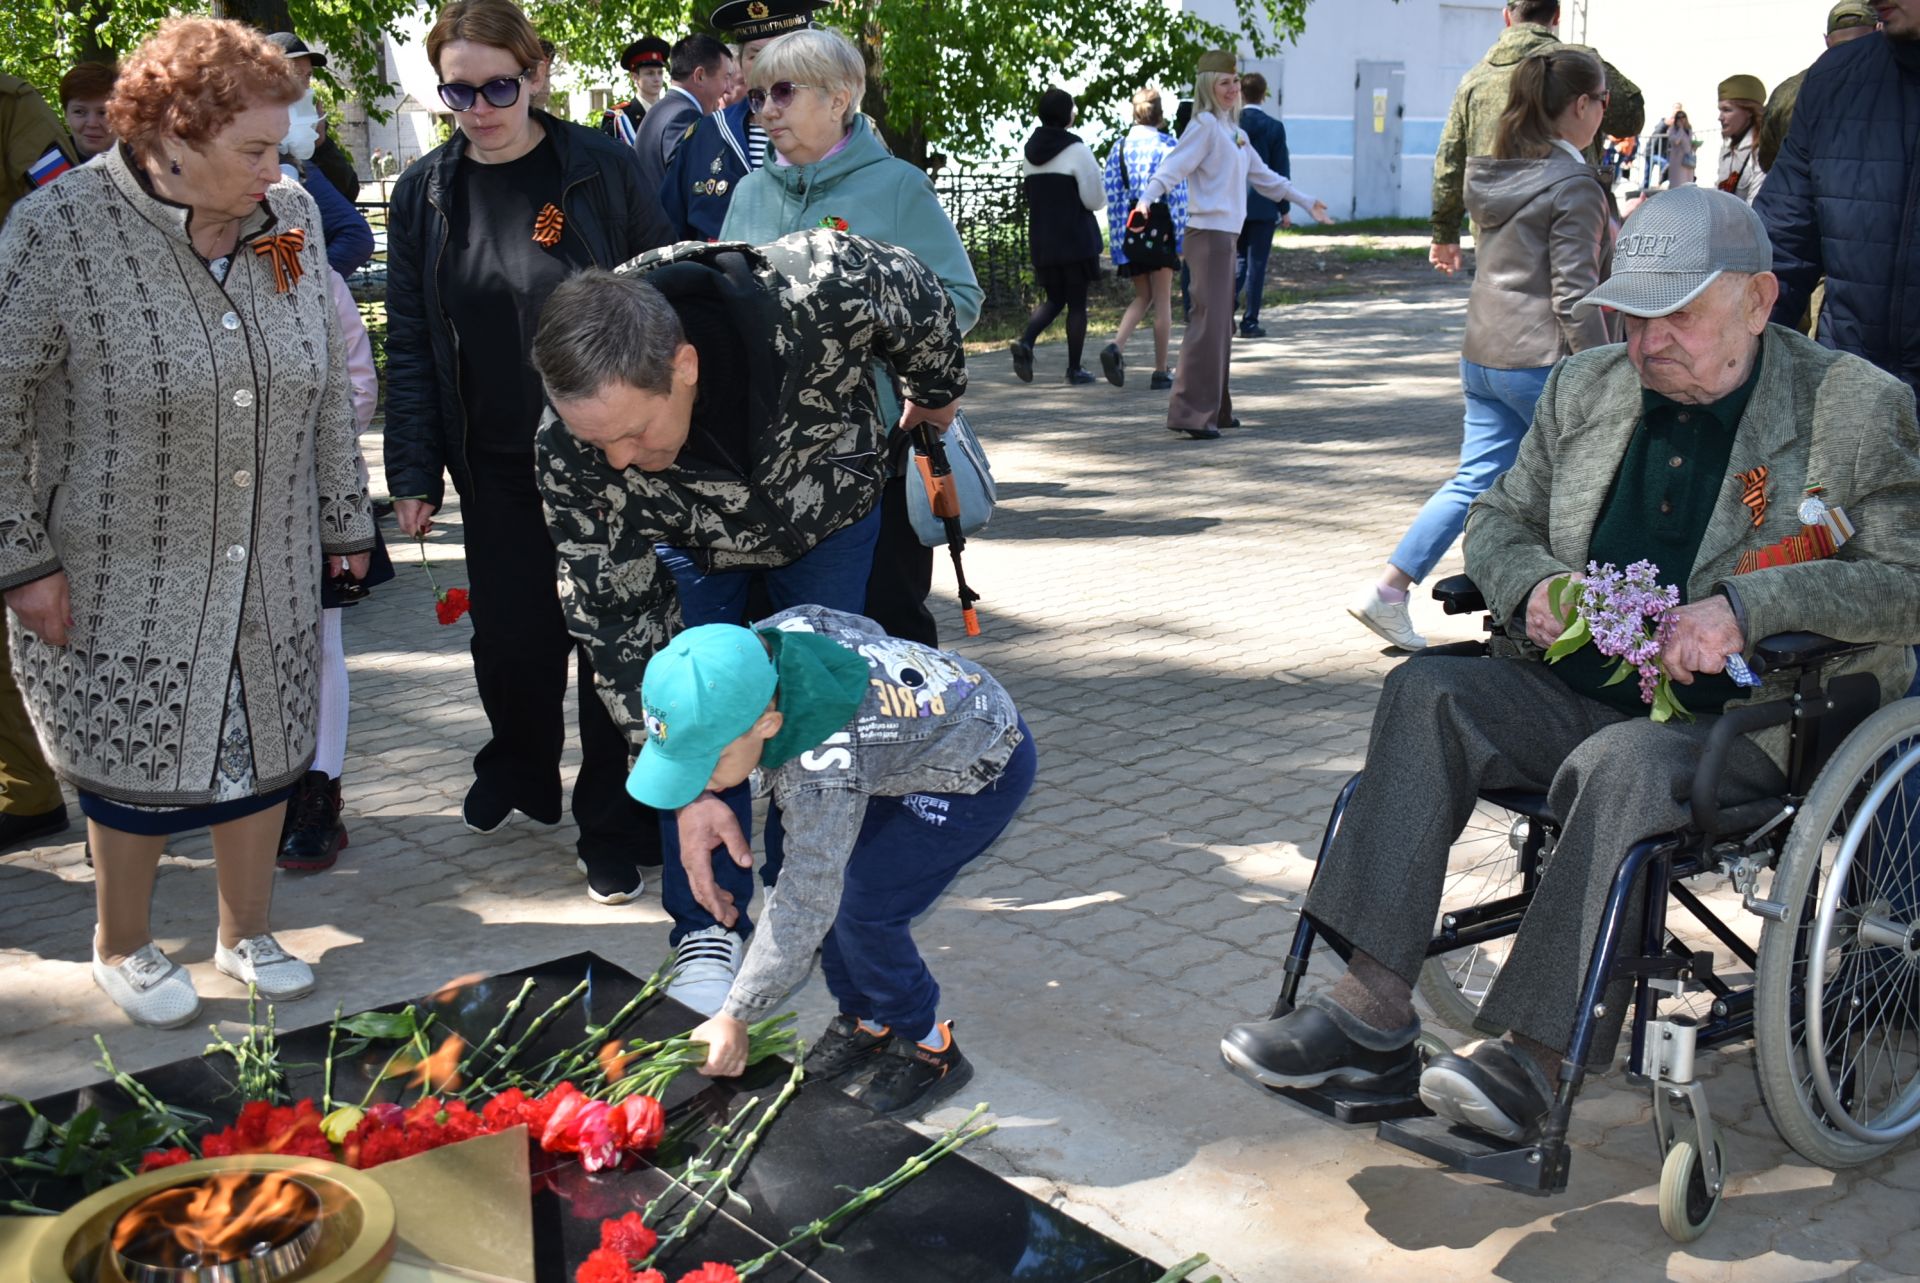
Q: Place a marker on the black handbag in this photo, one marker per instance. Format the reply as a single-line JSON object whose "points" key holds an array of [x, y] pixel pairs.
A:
{"points": [[1148, 242]]}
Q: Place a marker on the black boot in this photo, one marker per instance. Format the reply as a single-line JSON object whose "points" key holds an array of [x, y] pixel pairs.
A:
{"points": [[314, 833]]}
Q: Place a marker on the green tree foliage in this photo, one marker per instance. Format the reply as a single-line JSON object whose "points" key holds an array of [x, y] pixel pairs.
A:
{"points": [[942, 73]]}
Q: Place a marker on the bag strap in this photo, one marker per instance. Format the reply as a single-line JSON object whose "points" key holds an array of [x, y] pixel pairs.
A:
{"points": [[1126, 179]]}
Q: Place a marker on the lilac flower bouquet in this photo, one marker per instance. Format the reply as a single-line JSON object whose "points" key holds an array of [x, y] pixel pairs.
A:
{"points": [[1623, 613]]}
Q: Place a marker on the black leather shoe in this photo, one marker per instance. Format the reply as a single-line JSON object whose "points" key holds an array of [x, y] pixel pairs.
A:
{"points": [[16, 829], [1208, 433], [1022, 361], [1304, 1048], [314, 835], [1160, 381], [1495, 1088], [1113, 365], [1078, 376], [1252, 332]]}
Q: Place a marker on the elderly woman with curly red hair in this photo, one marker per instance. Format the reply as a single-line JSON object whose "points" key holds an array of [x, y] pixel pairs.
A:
{"points": [[176, 456]]}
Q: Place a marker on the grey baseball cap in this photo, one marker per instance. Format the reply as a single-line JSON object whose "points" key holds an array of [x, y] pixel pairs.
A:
{"points": [[1677, 244]]}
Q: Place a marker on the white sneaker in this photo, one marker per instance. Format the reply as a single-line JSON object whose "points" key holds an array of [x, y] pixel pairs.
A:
{"points": [[260, 961], [150, 987], [704, 967], [1390, 619]]}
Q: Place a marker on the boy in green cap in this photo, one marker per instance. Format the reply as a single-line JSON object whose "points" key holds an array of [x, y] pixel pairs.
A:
{"points": [[893, 765]]}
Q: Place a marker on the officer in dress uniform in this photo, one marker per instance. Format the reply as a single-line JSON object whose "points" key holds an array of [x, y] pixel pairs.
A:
{"points": [[722, 148], [645, 62]]}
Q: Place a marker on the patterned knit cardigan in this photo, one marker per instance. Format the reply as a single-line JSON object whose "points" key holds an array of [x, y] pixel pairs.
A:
{"points": [[185, 453]]}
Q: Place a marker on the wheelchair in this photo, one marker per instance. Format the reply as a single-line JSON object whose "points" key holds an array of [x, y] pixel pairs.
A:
{"points": [[1834, 1007]]}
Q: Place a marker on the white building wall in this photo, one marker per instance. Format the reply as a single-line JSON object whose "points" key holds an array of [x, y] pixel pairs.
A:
{"points": [[1314, 79]]}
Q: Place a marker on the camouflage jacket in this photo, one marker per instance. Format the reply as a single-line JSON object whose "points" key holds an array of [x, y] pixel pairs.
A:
{"points": [[829, 306], [1475, 117], [1778, 119]]}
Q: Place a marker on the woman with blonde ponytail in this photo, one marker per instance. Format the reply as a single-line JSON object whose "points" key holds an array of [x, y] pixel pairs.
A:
{"points": [[1544, 239]]}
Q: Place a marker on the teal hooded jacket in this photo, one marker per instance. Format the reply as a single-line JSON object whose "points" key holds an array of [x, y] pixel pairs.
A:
{"points": [[865, 190]]}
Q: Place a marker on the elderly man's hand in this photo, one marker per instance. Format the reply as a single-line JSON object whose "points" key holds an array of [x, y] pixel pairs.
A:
{"points": [[707, 822], [1543, 626], [1704, 634]]}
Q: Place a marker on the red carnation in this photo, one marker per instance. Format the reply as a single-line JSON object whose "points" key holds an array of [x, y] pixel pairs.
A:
{"points": [[450, 604], [628, 1236], [508, 1109], [173, 1157], [604, 1265], [642, 1122], [711, 1272], [561, 1135]]}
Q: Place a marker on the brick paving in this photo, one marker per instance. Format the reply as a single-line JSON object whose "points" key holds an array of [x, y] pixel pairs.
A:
{"points": [[1169, 616]]}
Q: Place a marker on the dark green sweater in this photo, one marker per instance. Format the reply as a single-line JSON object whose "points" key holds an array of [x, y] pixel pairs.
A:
{"points": [[1663, 496]]}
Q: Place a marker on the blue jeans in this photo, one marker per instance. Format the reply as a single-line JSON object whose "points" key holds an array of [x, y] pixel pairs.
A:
{"points": [[908, 852], [1250, 267], [1499, 412], [833, 574]]}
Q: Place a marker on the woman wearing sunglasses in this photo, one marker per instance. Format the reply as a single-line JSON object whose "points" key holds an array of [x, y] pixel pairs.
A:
{"points": [[481, 231], [830, 171]]}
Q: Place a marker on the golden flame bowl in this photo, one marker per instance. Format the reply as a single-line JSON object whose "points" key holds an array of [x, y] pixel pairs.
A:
{"points": [[356, 1222]]}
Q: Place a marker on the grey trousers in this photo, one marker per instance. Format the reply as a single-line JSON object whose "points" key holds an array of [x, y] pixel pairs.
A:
{"points": [[1448, 727]]}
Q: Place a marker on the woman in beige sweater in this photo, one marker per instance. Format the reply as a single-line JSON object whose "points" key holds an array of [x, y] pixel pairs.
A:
{"points": [[176, 456]]}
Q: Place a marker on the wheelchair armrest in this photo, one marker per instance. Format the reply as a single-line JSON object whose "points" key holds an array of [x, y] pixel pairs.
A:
{"points": [[1798, 650], [1735, 722], [1459, 595]]}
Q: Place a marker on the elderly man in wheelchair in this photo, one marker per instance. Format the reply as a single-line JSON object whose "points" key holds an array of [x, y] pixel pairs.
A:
{"points": [[1711, 444]]}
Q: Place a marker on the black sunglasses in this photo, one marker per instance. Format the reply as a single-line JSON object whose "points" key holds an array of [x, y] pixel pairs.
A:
{"points": [[500, 94], [781, 92]]}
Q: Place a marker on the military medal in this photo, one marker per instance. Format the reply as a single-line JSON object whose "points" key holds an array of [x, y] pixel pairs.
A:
{"points": [[720, 187], [1813, 509]]}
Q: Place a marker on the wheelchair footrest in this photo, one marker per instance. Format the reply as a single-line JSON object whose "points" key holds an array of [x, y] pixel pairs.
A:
{"points": [[1525, 1167], [1350, 1105]]}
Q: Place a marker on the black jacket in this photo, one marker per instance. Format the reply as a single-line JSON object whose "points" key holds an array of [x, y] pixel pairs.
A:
{"points": [[1843, 200], [603, 200]]}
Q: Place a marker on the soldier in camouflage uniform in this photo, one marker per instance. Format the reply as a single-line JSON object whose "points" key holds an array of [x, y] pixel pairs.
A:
{"points": [[1481, 98], [713, 418]]}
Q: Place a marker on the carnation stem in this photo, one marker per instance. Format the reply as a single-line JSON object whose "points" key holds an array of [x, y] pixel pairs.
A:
{"points": [[1186, 1268], [326, 1081], [431, 581], [146, 1100], [953, 1139], [694, 1171], [723, 1180], [533, 1031], [576, 1058], [493, 1036]]}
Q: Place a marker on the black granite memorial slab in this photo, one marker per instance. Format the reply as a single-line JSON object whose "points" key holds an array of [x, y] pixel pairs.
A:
{"points": [[957, 1223]]}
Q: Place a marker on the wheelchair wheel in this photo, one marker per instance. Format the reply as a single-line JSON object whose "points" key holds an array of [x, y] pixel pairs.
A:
{"points": [[1686, 1206], [1837, 1007], [1487, 863]]}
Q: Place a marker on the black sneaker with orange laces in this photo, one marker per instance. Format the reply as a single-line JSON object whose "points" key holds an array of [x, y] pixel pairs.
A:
{"points": [[848, 1044], [912, 1077]]}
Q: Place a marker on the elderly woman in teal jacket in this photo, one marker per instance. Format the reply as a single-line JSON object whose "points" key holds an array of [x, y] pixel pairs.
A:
{"points": [[830, 171]]}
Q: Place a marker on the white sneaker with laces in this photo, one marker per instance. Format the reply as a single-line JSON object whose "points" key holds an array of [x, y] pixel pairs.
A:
{"points": [[260, 961], [150, 987], [1390, 619], [705, 964]]}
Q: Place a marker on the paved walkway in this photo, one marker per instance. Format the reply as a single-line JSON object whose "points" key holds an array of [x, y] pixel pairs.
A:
{"points": [[1169, 615]]}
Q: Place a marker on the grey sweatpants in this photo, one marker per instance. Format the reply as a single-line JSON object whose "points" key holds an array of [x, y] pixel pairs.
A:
{"points": [[1448, 727]]}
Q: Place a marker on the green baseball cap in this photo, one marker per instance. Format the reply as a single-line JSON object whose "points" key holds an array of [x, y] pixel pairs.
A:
{"points": [[700, 694]]}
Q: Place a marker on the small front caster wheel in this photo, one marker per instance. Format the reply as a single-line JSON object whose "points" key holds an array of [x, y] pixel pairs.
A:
{"points": [[1686, 1207]]}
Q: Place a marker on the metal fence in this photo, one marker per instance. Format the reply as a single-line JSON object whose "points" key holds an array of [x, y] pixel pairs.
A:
{"points": [[988, 208]]}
